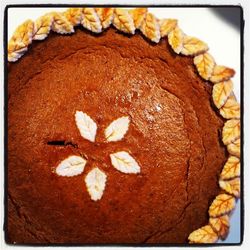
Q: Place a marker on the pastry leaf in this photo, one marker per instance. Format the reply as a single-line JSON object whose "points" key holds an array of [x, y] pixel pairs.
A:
{"points": [[125, 163]]}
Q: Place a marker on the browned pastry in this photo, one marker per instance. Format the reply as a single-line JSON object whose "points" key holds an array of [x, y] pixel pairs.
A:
{"points": [[113, 138]]}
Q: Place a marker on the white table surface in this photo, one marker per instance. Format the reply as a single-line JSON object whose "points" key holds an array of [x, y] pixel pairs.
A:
{"points": [[222, 39]]}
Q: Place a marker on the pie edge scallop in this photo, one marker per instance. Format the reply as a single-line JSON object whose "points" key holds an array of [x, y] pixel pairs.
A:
{"points": [[153, 29]]}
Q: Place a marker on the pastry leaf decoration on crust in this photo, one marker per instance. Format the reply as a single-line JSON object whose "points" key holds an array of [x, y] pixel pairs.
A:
{"points": [[90, 20], [231, 131], [23, 34], [221, 92], [96, 179], [150, 28], [117, 129], [234, 148], [221, 73], [138, 15], [231, 108], [202, 235], [231, 169], [193, 46], [86, 126], [74, 15], [95, 183], [166, 26], [71, 166], [175, 39], [205, 65], [125, 163], [223, 204], [60, 23], [220, 225], [231, 186], [20, 40], [106, 16], [42, 27], [123, 21]]}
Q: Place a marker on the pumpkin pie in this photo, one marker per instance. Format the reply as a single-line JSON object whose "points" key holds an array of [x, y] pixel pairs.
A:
{"points": [[122, 129]]}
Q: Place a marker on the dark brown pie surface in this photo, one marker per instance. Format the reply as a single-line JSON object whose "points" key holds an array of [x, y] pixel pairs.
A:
{"points": [[174, 135]]}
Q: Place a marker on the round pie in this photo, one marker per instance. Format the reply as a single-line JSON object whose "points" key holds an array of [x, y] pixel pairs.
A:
{"points": [[126, 131]]}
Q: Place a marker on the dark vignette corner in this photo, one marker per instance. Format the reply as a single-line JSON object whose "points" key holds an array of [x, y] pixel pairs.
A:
{"points": [[5, 58]]}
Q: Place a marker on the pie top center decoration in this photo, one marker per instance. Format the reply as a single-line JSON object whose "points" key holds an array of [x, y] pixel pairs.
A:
{"points": [[121, 160]]}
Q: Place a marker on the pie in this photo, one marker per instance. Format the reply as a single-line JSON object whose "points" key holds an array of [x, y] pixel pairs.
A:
{"points": [[122, 131]]}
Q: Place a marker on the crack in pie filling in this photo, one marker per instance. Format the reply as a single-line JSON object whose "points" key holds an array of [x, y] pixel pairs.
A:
{"points": [[126, 131]]}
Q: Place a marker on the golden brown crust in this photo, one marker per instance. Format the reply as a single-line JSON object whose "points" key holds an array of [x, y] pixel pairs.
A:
{"points": [[175, 39], [61, 24], [231, 108], [204, 234], [234, 148], [221, 92], [205, 64], [231, 186], [150, 28], [42, 27], [231, 131], [222, 204], [123, 21], [106, 16], [167, 25], [74, 15], [220, 225], [138, 15], [231, 168], [20, 40], [97, 19], [193, 46], [91, 20], [221, 73]]}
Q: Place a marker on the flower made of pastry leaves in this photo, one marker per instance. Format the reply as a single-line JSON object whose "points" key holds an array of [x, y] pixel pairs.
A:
{"points": [[96, 179]]}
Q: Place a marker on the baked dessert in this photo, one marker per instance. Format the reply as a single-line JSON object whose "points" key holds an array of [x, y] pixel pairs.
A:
{"points": [[126, 131]]}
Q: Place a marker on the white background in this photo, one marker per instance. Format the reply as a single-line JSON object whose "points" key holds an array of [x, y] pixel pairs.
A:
{"points": [[223, 41]]}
